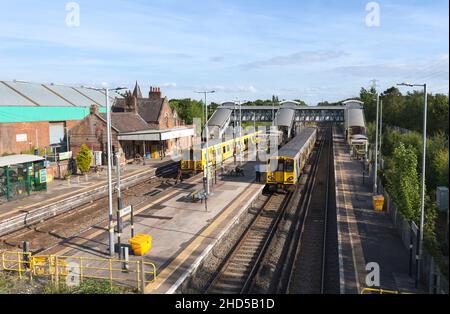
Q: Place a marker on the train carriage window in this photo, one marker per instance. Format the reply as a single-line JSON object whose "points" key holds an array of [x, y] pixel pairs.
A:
{"points": [[273, 163], [289, 165], [280, 166]]}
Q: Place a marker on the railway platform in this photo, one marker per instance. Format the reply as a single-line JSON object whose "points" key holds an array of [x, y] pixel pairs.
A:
{"points": [[365, 236], [19, 212], [183, 231]]}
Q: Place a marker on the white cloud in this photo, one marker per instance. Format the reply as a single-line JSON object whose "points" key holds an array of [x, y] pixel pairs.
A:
{"points": [[235, 89], [296, 58], [169, 85]]}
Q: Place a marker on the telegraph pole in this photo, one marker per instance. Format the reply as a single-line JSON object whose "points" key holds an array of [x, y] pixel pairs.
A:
{"points": [[110, 199], [375, 184], [109, 162], [206, 170], [422, 202]]}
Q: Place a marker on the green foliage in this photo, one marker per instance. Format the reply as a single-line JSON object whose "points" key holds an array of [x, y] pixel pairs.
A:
{"points": [[30, 151], [188, 109], [86, 287], [403, 182], [439, 168], [437, 159], [84, 159], [406, 111]]}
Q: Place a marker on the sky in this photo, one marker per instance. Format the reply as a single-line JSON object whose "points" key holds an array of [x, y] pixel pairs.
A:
{"points": [[243, 49]]}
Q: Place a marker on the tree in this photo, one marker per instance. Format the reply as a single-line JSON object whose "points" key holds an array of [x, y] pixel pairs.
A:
{"points": [[403, 182], [368, 97], [84, 159]]}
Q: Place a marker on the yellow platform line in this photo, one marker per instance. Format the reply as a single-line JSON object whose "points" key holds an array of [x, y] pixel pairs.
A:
{"points": [[181, 258]]}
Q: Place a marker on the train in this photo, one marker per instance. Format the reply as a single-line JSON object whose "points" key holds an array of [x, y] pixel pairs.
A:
{"points": [[284, 169], [218, 151]]}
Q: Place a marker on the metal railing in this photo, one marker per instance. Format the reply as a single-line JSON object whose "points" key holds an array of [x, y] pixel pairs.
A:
{"points": [[382, 291], [75, 269]]}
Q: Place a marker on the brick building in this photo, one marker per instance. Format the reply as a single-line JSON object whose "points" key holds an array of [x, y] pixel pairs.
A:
{"points": [[141, 127]]}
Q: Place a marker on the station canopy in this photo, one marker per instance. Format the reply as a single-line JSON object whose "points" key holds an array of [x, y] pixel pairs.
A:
{"points": [[355, 118], [157, 135], [18, 159]]}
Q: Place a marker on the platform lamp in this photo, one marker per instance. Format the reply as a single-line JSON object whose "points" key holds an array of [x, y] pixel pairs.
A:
{"points": [[109, 142], [239, 102], [206, 170], [422, 199]]}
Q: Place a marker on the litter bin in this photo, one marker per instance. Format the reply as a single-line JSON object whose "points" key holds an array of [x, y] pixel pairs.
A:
{"points": [[378, 202], [141, 244]]}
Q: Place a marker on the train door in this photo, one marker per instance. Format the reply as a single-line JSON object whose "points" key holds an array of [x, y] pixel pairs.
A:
{"points": [[289, 173], [279, 172]]}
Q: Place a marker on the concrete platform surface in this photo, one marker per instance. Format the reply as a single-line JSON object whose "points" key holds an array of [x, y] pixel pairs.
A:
{"points": [[364, 235], [61, 189], [181, 229]]}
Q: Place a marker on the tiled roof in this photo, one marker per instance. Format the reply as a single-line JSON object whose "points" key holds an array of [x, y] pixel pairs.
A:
{"points": [[150, 109], [126, 121]]}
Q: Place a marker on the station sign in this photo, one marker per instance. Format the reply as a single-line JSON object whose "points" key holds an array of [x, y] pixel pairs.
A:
{"points": [[21, 137], [125, 211], [43, 176], [64, 155]]}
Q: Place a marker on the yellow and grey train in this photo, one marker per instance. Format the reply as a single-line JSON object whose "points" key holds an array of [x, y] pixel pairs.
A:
{"points": [[195, 159], [284, 169]]}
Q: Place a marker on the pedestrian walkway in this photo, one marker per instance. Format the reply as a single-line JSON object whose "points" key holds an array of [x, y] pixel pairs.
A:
{"points": [[365, 236]]}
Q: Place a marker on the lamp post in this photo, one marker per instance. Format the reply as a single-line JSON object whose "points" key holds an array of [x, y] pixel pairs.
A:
{"points": [[110, 189], [375, 183], [422, 198], [381, 132], [206, 170], [239, 102]]}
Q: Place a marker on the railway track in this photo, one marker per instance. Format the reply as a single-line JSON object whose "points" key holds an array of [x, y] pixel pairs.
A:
{"points": [[66, 225], [306, 265], [236, 273]]}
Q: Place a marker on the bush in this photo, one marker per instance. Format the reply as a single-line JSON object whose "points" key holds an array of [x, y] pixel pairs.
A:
{"points": [[403, 181], [84, 159]]}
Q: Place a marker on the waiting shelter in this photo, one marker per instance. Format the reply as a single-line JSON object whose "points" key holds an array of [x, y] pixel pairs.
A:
{"points": [[20, 175]]}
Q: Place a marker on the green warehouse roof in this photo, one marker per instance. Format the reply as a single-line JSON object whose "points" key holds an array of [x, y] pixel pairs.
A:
{"points": [[17, 93], [30, 102]]}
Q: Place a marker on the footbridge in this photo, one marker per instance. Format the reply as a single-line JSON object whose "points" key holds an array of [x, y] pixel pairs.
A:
{"points": [[284, 115]]}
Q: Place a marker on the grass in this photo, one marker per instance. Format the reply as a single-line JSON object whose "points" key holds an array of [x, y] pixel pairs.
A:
{"points": [[86, 287], [10, 284]]}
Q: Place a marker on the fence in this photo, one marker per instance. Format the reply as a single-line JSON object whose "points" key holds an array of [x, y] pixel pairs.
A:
{"points": [[73, 270], [429, 272]]}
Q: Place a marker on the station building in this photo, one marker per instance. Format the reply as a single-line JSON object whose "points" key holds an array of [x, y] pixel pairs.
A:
{"points": [[141, 126]]}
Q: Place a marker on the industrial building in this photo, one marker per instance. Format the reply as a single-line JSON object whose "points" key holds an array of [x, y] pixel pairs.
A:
{"points": [[34, 115]]}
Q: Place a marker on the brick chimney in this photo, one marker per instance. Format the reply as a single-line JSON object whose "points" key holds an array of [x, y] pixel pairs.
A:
{"points": [[94, 109], [155, 93]]}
